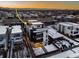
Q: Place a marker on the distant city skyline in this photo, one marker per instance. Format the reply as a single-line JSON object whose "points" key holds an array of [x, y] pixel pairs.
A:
{"points": [[41, 4]]}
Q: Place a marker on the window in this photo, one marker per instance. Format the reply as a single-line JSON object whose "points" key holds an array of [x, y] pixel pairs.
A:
{"points": [[17, 35], [38, 33], [77, 29], [71, 32], [1, 38], [38, 26], [75, 32], [68, 27]]}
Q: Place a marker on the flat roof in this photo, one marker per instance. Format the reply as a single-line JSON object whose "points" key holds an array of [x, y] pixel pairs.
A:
{"points": [[53, 33], [50, 48], [69, 16], [3, 29], [72, 23], [32, 20], [69, 23], [16, 29], [36, 23], [65, 24], [16, 26], [38, 51]]}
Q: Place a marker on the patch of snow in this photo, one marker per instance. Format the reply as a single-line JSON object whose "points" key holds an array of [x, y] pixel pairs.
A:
{"points": [[38, 51], [50, 48]]}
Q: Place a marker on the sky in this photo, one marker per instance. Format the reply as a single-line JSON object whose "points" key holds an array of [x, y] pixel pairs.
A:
{"points": [[41, 4]]}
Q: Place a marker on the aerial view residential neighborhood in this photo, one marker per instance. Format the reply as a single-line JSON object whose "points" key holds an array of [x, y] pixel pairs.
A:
{"points": [[39, 29]]}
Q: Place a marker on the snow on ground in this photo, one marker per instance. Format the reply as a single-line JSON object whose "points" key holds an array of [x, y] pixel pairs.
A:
{"points": [[76, 43], [38, 51], [67, 54], [54, 34], [62, 55], [77, 39], [50, 48], [76, 49]]}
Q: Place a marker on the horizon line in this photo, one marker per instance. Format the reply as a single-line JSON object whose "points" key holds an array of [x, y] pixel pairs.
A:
{"points": [[40, 8]]}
